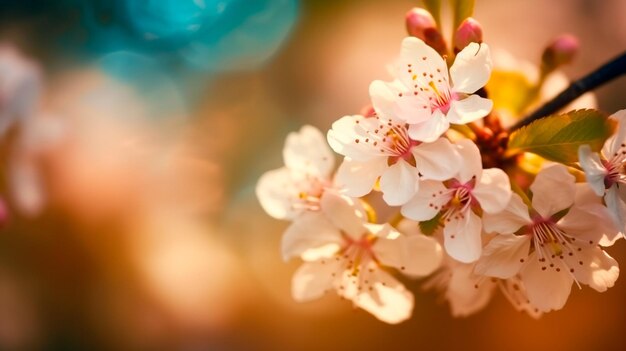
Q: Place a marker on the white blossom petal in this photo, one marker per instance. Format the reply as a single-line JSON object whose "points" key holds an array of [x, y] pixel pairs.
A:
{"points": [[388, 300], [614, 143], [467, 293], [515, 291], [399, 183], [590, 223], [438, 160], [424, 206], [313, 279], [553, 190], [393, 101], [431, 129], [547, 289], [471, 68], [384, 97], [616, 207], [469, 109], [307, 151], [311, 236], [415, 255], [277, 191], [493, 190], [345, 213], [462, 237], [514, 216], [598, 269], [504, 256], [345, 132], [420, 64], [593, 167], [356, 178], [472, 164]]}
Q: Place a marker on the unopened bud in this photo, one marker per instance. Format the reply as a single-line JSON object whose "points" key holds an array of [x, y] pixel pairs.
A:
{"points": [[561, 51], [470, 31], [418, 21]]}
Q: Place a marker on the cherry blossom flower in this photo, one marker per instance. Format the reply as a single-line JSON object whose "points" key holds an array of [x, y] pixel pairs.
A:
{"points": [[460, 202], [286, 192], [465, 291], [377, 148], [605, 173], [552, 244], [426, 97], [343, 252]]}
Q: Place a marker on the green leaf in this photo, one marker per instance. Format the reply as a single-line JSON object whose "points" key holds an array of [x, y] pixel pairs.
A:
{"points": [[430, 226], [558, 137], [462, 10], [434, 7]]}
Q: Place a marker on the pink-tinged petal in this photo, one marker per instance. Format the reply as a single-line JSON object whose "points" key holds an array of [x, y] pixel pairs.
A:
{"points": [[504, 256], [344, 213], [431, 129], [357, 178], [428, 201], [420, 65], [514, 216], [388, 300], [613, 144], [493, 191], [416, 109], [277, 191], [585, 195], [438, 160], [471, 68], [616, 207], [311, 236], [467, 293], [399, 183], [415, 255], [385, 96], [515, 291], [469, 109], [553, 190], [594, 170], [472, 164], [392, 100], [590, 224], [548, 289], [594, 267], [347, 136], [306, 151], [313, 279], [462, 238]]}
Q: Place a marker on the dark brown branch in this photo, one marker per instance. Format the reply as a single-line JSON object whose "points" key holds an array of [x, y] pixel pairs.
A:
{"points": [[602, 75]]}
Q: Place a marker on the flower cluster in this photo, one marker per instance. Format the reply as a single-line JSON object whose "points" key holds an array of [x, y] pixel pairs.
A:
{"points": [[468, 213]]}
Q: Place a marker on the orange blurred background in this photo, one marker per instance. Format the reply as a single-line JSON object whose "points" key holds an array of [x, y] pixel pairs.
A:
{"points": [[152, 238]]}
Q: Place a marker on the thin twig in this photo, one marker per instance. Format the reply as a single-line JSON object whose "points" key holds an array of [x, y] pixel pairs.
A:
{"points": [[602, 75]]}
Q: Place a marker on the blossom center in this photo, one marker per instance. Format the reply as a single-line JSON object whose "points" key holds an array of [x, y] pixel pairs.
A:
{"points": [[554, 247], [616, 172], [387, 138], [457, 199]]}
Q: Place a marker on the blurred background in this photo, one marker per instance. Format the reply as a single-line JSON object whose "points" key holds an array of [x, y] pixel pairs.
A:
{"points": [[132, 135]]}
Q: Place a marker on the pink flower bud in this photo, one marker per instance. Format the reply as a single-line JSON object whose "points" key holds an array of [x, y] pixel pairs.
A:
{"points": [[418, 21], [561, 51], [470, 31]]}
